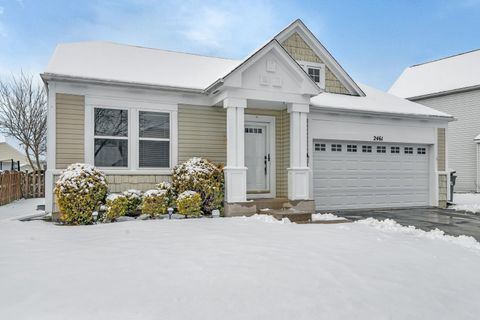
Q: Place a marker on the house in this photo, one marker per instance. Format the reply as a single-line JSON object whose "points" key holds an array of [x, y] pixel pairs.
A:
{"points": [[10, 156], [287, 121], [451, 85]]}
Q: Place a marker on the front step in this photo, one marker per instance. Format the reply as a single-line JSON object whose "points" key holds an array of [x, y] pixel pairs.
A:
{"points": [[292, 215]]}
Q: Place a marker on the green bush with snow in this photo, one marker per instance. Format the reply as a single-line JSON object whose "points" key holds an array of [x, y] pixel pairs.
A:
{"points": [[155, 202], [79, 192], [116, 206], [189, 203], [134, 198], [205, 178]]}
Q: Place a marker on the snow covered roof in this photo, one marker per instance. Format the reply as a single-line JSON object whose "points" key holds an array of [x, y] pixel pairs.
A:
{"points": [[451, 73], [110, 61], [374, 101]]}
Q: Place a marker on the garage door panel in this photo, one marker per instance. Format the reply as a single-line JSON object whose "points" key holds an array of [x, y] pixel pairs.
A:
{"points": [[370, 179]]}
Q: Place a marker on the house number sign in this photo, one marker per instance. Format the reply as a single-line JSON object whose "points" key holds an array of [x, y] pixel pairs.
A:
{"points": [[377, 138]]}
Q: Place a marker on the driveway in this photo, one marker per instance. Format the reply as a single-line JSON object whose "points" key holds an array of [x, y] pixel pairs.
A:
{"points": [[451, 222]]}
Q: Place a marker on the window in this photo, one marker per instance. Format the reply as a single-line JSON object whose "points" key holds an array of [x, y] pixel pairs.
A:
{"points": [[111, 137], [381, 149], [421, 150], [314, 73], [336, 147], [320, 147], [351, 148], [367, 149], [394, 149], [154, 139], [408, 150]]}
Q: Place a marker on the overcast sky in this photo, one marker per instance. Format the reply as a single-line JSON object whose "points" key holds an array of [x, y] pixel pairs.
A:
{"points": [[373, 40]]}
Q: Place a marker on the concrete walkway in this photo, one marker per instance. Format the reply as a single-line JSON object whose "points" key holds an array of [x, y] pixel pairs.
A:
{"points": [[21, 208], [451, 222]]}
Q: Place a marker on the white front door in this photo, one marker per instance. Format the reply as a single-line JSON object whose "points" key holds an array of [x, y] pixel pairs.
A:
{"points": [[258, 157]]}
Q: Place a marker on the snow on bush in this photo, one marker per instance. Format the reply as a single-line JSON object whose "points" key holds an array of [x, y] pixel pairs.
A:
{"points": [[393, 226], [117, 205], [169, 192], [79, 192], [134, 198], [189, 203], [202, 176], [155, 202]]}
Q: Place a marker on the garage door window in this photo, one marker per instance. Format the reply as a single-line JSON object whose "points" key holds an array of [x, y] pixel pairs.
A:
{"points": [[320, 147], [381, 149], [394, 149], [408, 150], [336, 147], [367, 149], [421, 150], [351, 148]]}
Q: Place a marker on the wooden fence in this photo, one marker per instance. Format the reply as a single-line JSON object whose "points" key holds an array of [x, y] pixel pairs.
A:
{"points": [[15, 185]]}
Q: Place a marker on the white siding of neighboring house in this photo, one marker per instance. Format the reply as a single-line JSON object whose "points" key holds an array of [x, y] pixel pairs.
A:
{"points": [[462, 157]]}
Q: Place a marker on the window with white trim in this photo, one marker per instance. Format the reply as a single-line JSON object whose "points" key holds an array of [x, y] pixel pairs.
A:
{"points": [[336, 147], [367, 149], [316, 71], [154, 139], [111, 137], [394, 149], [351, 148], [408, 150], [421, 150], [381, 149]]}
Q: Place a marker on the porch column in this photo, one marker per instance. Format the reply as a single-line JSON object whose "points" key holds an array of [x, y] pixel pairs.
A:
{"points": [[235, 171], [299, 172]]}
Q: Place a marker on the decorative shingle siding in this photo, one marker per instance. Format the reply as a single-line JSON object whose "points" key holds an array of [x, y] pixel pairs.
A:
{"points": [[282, 145], [202, 133], [70, 139], [465, 107], [120, 183], [300, 51]]}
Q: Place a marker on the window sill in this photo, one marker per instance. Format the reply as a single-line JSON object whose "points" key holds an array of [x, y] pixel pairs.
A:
{"points": [[127, 172]]}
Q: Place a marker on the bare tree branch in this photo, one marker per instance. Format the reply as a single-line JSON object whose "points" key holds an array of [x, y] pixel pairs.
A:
{"points": [[23, 115]]}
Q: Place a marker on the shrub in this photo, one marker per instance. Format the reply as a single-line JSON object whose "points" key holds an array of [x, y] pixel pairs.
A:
{"points": [[134, 198], [79, 191], [189, 203], [117, 206], [202, 176], [155, 202], [169, 192]]}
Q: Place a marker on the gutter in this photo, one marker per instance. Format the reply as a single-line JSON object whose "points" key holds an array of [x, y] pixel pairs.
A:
{"points": [[56, 77], [385, 114]]}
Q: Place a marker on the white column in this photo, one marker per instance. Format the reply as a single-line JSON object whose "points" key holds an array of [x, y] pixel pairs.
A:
{"points": [[51, 141], [235, 171], [299, 172]]}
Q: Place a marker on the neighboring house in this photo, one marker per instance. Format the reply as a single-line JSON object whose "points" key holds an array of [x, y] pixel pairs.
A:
{"points": [[287, 121], [451, 85], [9, 154]]}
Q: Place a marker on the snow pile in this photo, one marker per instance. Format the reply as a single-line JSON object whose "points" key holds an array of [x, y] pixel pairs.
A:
{"points": [[267, 219], [469, 202], [76, 174], [390, 225], [326, 217], [186, 194]]}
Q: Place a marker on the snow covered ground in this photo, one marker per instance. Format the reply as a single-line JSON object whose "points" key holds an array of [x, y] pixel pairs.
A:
{"points": [[20, 208], [469, 202], [235, 268]]}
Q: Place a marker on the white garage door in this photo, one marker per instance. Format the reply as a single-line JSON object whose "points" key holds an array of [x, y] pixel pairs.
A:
{"points": [[351, 175]]}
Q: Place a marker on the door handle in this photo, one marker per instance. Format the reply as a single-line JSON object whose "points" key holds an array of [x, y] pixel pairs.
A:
{"points": [[265, 162], [269, 157]]}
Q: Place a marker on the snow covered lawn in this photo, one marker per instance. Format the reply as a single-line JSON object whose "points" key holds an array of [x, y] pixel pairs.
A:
{"points": [[20, 208], [469, 202], [235, 268]]}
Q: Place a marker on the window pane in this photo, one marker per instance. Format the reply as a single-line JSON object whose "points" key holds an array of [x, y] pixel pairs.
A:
{"points": [[111, 122], [111, 152], [154, 125], [154, 154]]}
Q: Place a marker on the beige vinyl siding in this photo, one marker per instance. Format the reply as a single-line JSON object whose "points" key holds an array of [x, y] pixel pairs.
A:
{"points": [[70, 119], [202, 132], [300, 51], [282, 145]]}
